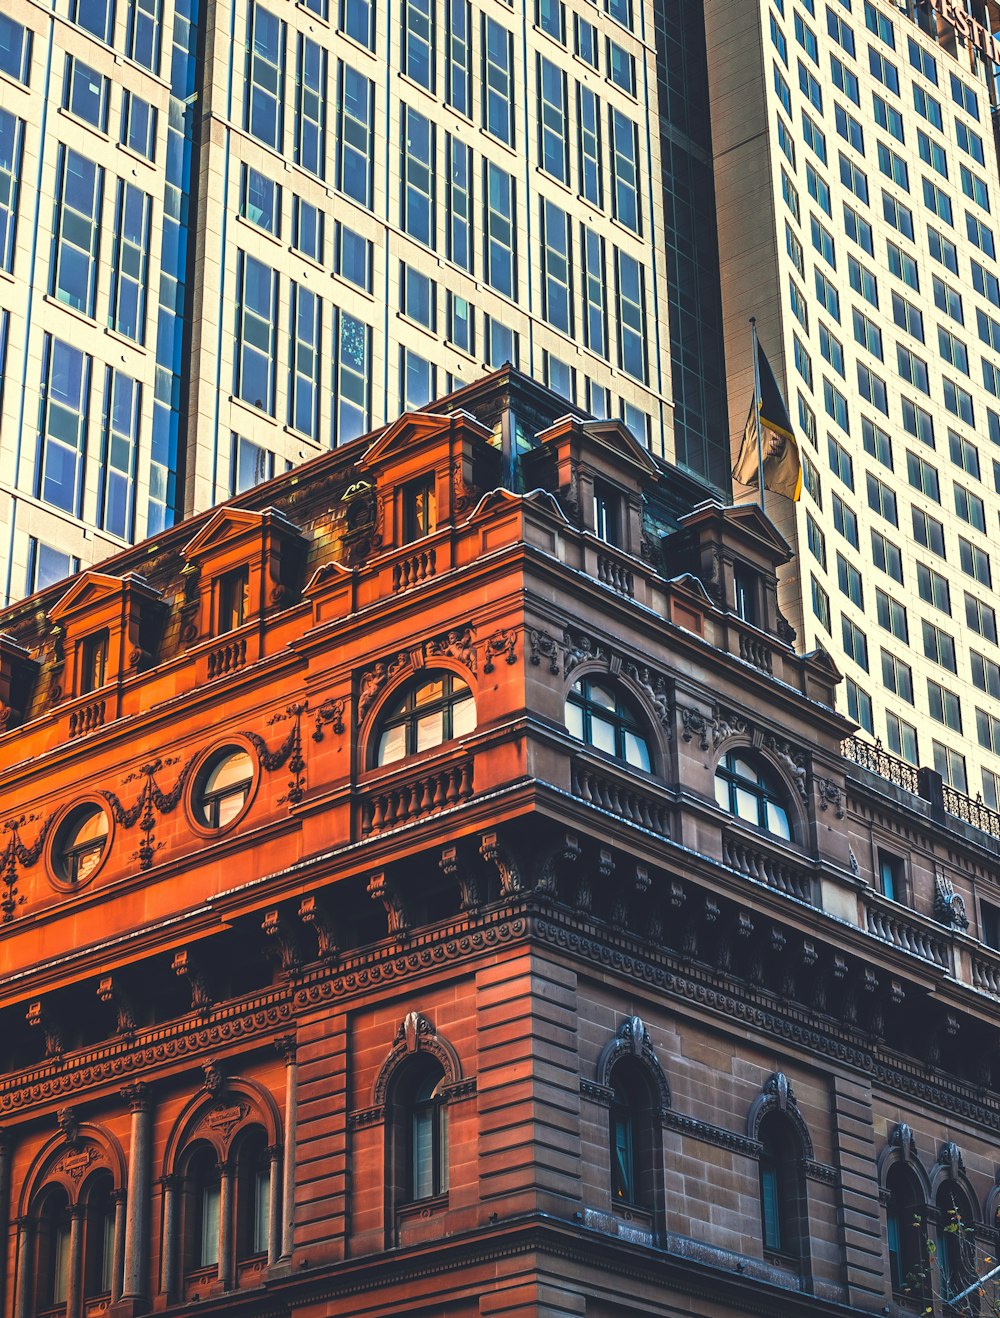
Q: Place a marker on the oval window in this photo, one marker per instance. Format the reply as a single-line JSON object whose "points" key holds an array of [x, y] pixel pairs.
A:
{"points": [[223, 787], [80, 844]]}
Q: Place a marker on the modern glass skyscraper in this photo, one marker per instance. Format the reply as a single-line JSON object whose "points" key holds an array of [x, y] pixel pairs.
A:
{"points": [[234, 235], [859, 204]]}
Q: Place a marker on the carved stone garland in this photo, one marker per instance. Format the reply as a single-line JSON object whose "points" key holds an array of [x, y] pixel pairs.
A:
{"points": [[15, 854], [459, 643], [579, 647]]}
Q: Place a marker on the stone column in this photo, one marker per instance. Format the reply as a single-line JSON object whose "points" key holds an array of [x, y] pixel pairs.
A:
{"points": [[275, 1200], [22, 1296], [74, 1279], [171, 1242], [227, 1222], [286, 1047], [137, 1221], [118, 1254]]}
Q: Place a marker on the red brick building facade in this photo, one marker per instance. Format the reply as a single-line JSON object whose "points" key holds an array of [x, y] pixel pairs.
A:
{"points": [[432, 884]]}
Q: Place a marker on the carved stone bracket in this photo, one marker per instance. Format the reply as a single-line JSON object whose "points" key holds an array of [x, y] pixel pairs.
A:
{"points": [[507, 868], [463, 876], [187, 966], [561, 859], [397, 917], [282, 942], [314, 911], [39, 1017], [111, 991]]}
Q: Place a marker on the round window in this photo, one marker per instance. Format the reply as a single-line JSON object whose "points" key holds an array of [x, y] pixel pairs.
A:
{"points": [[223, 787], [80, 844]]}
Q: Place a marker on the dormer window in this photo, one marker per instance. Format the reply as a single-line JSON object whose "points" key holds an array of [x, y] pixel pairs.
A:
{"points": [[93, 661], [234, 595], [418, 509], [607, 517]]}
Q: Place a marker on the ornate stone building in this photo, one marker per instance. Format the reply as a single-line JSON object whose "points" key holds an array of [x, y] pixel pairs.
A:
{"points": [[432, 883]]}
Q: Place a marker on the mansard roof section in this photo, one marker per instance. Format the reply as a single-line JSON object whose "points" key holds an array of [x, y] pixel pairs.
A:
{"points": [[231, 524], [92, 591]]}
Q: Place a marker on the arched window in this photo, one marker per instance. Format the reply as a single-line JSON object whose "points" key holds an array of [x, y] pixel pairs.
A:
{"points": [[633, 1156], [599, 716], [435, 709], [201, 1209], [52, 1254], [749, 791], [99, 1237], [419, 1132], [782, 1188], [956, 1251], [904, 1215], [253, 1195], [222, 787]]}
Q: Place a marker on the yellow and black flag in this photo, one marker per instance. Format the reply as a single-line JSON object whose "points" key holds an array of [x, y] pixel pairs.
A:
{"points": [[777, 443]]}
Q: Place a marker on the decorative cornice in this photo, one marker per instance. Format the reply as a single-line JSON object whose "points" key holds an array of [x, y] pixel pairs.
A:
{"points": [[120, 1062], [270, 1014]]}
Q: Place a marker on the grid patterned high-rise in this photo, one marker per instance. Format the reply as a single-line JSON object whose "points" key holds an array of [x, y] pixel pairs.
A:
{"points": [[234, 234], [858, 196]]}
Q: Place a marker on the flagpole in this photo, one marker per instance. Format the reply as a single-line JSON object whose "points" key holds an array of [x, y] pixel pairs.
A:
{"points": [[756, 410]]}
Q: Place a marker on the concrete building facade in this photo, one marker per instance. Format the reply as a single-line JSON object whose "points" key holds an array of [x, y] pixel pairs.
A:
{"points": [[856, 176], [235, 235], [423, 897]]}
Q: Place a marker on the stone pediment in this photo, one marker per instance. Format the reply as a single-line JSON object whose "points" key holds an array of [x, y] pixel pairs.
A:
{"points": [[223, 526], [90, 590], [415, 427]]}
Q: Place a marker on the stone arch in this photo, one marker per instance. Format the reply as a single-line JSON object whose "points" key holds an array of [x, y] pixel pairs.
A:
{"points": [[632, 1039], [370, 716], [950, 1166], [71, 1163], [218, 1113], [792, 784], [777, 1095], [416, 1034], [653, 707], [901, 1147]]}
